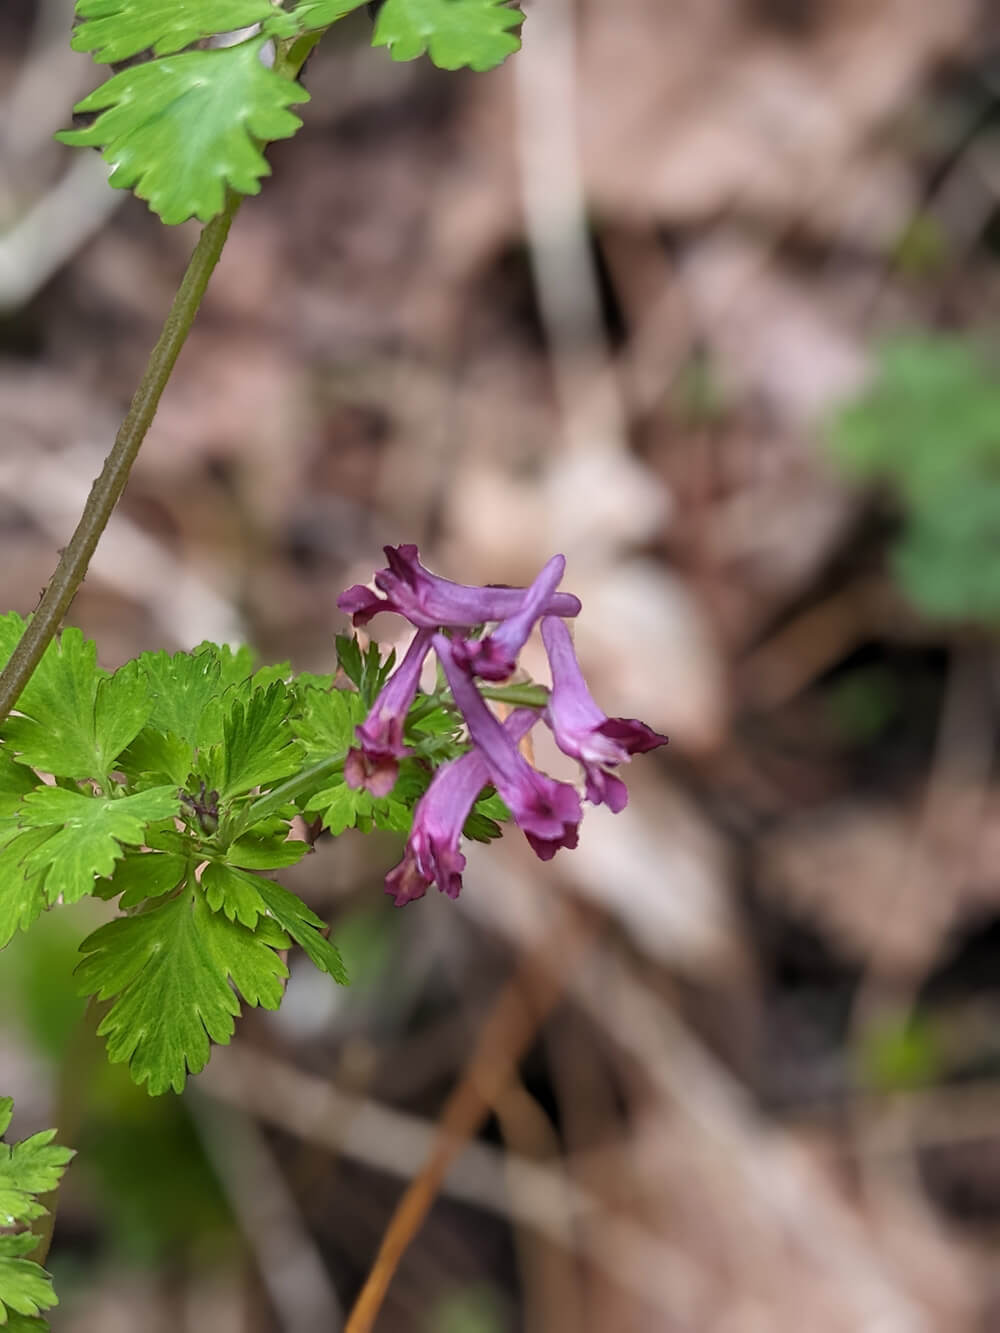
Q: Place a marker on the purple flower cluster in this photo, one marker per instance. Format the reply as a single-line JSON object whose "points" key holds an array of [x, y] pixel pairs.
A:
{"points": [[548, 812]]}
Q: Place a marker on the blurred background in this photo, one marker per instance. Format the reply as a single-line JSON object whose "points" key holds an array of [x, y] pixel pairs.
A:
{"points": [[702, 294]]}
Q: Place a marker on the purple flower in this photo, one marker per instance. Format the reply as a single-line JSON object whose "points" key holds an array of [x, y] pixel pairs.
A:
{"points": [[432, 853], [430, 602], [548, 812], [374, 765], [582, 730], [494, 657]]}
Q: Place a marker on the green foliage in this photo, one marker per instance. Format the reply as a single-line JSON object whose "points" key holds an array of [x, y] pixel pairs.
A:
{"points": [[454, 33], [175, 789], [185, 126], [27, 1170], [183, 129], [929, 429], [168, 970], [116, 29]]}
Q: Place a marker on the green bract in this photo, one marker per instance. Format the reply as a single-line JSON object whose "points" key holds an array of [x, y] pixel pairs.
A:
{"points": [[454, 33], [182, 130], [27, 1170]]}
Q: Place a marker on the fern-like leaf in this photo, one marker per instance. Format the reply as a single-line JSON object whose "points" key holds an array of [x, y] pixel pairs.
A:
{"points": [[454, 33], [116, 29], [182, 129]]}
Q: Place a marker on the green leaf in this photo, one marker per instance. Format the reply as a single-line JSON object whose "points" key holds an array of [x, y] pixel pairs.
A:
{"points": [[19, 1323], [22, 893], [253, 853], [928, 429], [157, 754], [142, 875], [257, 743], [326, 722], [340, 807], [73, 719], [454, 33], [304, 926], [88, 833], [25, 1287], [121, 708], [169, 970], [116, 29], [245, 898], [15, 781], [485, 818], [234, 893], [181, 129], [309, 16], [349, 658], [28, 1169], [186, 691]]}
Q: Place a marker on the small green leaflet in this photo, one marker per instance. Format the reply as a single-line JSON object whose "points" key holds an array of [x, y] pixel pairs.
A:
{"points": [[22, 895], [141, 875], [454, 33], [311, 15], [86, 834], [245, 898], [74, 718], [180, 129], [27, 1170], [257, 743], [116, 29], [25, 1288], [341, 807], [169, 970], [15, 781]]}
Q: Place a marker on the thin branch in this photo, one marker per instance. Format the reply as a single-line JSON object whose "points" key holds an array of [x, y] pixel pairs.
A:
{"points": [[509, 1031], [104, 494]]}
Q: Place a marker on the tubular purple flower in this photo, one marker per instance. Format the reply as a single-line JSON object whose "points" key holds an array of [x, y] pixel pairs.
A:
{"points": [[582, 730], [374, 765], [432, 853], [547, 812], [494, 657], [430, 602]]}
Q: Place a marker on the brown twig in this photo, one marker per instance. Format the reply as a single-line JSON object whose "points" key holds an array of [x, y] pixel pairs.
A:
{"points": [[509, 1030]]}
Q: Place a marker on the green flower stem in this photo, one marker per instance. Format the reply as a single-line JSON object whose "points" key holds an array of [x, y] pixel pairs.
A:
{"points": [[517, 696], [267, 805], [72, 567]]}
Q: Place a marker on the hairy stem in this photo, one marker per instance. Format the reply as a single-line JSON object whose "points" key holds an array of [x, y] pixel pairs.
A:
{"points": [[104, 494]]}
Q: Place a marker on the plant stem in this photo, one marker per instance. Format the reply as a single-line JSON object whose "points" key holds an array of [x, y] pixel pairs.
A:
{"points": [[104, 494], [267, 805]]}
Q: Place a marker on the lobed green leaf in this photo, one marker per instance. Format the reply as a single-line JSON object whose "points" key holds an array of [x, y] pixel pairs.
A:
{"points": [[86, 834], [183, 129], [169, 971], [116, 29], [454, 33]]}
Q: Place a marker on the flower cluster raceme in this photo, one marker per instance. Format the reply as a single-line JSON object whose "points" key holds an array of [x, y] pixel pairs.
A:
{"points": [[446, 616]]}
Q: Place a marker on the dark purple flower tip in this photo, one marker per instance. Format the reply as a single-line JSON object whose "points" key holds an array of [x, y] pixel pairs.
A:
{"points": [[374, 773], [361, 604], [407, 882], [431, 602], [634, 737], [582, 730], [494, 657], [547, 809]]}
